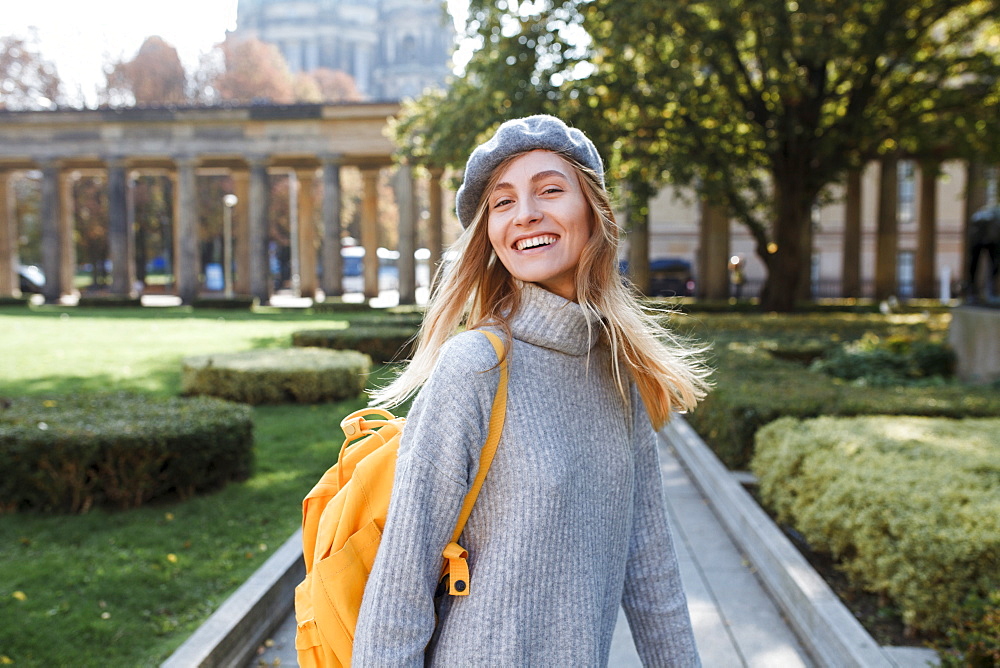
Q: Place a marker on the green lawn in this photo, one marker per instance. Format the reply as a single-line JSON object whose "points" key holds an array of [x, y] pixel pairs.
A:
{"points": [[126, 588]]}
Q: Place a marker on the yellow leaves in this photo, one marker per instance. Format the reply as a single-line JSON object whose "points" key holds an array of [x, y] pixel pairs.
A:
{"points": [[169, 517], [20, 596], [49, 403], [172, 558]]}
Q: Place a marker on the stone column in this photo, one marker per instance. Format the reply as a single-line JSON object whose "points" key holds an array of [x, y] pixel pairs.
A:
{"points": [[120, 235], [887, 234], [407, 235], [9, 283], [333, 263], [187, 265], [435, 222], [850, 274], [713, 253], [260, 274], [925, 265], [369, 230], [51, 231], [67, 259], [307, 233], [241, 232]]}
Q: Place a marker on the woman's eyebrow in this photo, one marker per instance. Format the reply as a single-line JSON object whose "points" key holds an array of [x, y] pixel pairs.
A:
{"points": [[540, 176]]}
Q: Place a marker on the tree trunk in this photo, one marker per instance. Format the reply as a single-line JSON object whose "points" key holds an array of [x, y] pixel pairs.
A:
{"points": [[638, 236], [784, 258]]}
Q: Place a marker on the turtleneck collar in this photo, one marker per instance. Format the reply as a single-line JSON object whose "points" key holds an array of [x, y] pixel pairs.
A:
{"points": [[545, 319]]}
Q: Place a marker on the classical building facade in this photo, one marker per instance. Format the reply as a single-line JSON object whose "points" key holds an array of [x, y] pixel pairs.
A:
{"points": [[392, 48], [915, 248], [250, 144]]}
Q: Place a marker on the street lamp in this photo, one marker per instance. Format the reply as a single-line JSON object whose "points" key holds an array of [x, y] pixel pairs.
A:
{"points": [[229, 201]]}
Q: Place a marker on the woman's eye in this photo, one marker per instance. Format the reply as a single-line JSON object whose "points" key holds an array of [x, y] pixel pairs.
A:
{"points": [[501, 202], [552, 189]]}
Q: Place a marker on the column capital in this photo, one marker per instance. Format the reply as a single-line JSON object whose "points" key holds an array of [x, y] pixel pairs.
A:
{"points": [[332, 159], [258, 160]]}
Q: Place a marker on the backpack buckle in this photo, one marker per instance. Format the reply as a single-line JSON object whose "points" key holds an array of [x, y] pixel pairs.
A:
{"points": [[456, 570], [353, 426]]}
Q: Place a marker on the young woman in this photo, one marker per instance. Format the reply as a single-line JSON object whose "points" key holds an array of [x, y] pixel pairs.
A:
{"points": [[570, 523]]}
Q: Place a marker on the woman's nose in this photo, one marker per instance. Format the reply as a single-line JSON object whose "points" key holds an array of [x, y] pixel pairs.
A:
{"points": [[527, 212]]}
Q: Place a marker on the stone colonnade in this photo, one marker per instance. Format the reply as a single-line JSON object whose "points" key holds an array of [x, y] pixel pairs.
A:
{"points": [[313, 142], [250, 227], [714, 234]]}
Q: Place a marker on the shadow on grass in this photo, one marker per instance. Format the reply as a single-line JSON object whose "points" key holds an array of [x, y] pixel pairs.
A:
{"points": [[163, 381]]}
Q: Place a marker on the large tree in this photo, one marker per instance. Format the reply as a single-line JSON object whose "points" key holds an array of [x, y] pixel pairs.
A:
{"points": [[154, 76], [762, 105], [250, 70], [27, 80]]}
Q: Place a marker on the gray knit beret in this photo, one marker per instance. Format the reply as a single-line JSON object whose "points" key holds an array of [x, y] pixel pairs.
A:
{"points": [[518, 136]]}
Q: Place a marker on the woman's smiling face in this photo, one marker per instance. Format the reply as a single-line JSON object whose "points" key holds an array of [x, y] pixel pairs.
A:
{"points": [[539, 221]]}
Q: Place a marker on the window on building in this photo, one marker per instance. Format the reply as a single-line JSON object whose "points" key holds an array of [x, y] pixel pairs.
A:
{"points": [[905, 273], [907, 190]]}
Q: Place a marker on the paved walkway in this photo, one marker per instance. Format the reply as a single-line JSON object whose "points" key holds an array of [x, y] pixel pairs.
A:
{"points": [[735, 622]]}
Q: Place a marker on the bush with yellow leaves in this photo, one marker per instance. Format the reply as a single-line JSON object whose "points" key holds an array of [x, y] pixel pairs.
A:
{"points": [[909, 506]]}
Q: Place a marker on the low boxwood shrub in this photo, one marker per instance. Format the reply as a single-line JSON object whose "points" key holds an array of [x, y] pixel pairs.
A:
{"points": [[336, 305], [974, 639], [70, 453], [888, 361], [7, 300], [386, 343], [235, 303], [411, 320], [753, 388], [909, 506], [269, 376], [109, 301]]}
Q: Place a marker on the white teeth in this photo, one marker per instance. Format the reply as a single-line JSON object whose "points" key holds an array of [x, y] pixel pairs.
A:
{"points": [[543, 240]]}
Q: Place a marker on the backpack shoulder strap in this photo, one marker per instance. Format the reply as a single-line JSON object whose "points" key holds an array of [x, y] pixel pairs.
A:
{"points": [[497, 416]]}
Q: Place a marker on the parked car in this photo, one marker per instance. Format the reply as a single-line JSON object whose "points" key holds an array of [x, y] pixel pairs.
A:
{"points": [[668, 277], [31, 279]]}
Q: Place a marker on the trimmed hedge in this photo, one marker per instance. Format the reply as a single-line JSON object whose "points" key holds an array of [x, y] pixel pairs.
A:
{"points": [[757, 381], [234, 303], [909, 506], [269, 376], [390, 343], [411, 320], [7, 300], [70, 453], [336, 305], [109, 301]]}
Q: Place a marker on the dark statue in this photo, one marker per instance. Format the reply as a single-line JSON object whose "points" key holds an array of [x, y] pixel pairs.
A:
{"points": [[983, 235]]}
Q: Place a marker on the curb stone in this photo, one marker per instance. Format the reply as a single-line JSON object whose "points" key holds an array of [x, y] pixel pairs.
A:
{"points": [[824, 625]]}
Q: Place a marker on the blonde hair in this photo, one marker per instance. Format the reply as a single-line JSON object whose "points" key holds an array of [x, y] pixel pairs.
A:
{"points": [[479, 291]]}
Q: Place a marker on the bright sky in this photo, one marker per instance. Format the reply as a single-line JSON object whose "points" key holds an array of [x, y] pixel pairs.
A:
{"points": [[81, 36]]}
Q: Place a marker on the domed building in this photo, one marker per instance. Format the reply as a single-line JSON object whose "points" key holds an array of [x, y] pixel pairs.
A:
{"points": [[392, 48]]}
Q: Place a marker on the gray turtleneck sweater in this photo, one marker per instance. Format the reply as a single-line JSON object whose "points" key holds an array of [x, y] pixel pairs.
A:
{"points": [[569, 524]]}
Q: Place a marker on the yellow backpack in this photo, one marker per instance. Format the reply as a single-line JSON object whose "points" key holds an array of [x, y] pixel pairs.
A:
{"points": [[342, 521]]}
